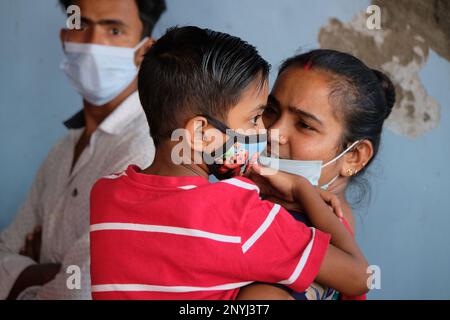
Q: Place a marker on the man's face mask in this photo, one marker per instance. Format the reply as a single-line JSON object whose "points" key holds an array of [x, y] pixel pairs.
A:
{"points": [[99, 73], [232, 158]]}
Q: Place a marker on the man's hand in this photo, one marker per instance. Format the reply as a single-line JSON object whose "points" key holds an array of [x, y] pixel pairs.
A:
{"points": [[32, 247], [34, 275]]}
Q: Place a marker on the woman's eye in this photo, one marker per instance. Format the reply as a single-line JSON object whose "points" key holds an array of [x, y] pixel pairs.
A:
{"points": [[303, 125]]}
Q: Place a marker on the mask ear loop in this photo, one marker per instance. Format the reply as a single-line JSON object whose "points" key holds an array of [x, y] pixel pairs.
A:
{"points": [[140, 44], [325, 186], [222, 128], [342, 153], [64, 42], [216, 123], [65, 39]]}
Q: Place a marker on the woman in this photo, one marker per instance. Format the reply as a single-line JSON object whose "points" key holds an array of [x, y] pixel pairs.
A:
{"points": [[326, 105]]}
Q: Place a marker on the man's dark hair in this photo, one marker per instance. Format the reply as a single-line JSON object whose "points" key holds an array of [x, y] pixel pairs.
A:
{"points": [[192, 71], [149, 12]]}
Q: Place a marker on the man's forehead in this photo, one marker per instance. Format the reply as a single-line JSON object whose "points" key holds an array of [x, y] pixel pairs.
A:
{"points": [[123, 10]]}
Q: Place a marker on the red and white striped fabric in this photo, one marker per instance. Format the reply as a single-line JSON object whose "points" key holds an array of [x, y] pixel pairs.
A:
{"points": [[159, 237]]}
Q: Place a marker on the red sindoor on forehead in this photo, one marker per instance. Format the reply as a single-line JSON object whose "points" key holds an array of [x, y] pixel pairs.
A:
{"points": [[307, 66]]}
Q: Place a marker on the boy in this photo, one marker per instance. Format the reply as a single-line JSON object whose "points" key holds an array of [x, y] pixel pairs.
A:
{"points": [[166, 232]]}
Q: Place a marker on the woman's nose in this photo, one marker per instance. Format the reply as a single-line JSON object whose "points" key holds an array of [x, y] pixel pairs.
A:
{"points": [[278, 134], [277, 138]]}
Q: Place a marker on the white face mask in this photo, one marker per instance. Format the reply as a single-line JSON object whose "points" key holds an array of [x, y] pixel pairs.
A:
{"points": [[99, 73], [310, 170]]}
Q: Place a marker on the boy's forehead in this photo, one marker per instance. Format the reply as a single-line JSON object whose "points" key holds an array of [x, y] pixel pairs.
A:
{"points": [[252, 102], [256, 93]]}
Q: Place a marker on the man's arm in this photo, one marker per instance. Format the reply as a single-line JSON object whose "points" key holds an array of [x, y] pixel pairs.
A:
{"points": [[63, 285], [72, 283], [34, 275], [12, 239]]}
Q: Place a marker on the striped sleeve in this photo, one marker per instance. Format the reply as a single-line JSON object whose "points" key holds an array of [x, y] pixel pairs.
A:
{"points": [[279, 249]]}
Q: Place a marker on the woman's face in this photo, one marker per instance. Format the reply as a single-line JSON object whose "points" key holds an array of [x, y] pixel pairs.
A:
{"points": [[300, 109]]}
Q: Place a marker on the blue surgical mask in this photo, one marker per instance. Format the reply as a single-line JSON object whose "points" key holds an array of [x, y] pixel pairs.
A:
{"points": [[310, 170], [99, 73], [233, 157]]}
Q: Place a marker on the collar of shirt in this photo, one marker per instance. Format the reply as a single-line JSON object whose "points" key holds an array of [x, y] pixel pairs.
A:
{"points": [[134, 174], [125, 113]]}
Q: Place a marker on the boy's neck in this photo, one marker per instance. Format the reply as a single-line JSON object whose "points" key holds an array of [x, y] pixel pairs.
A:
{"points": [[164, 166]]}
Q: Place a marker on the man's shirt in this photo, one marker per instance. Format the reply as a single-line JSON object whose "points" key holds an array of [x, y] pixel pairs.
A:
{"points": [[59, 199], [160, 237]]}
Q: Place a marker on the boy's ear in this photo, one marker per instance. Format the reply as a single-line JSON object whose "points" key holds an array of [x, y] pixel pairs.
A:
{"points": [[202, 136], [357, 158], [196, 128]]}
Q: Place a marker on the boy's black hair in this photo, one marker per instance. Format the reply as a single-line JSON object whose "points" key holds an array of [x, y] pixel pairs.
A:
{"points": [[192, 71], [149, 12]]}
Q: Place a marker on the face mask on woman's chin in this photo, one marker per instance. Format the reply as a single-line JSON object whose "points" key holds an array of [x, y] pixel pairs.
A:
{"points": [[99, 73], [310, 170]]}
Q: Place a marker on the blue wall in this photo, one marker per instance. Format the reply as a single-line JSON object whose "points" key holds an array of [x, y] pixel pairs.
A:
{"points": [[406, 227]]}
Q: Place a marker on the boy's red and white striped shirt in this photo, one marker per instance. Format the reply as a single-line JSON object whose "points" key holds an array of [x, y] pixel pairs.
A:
{"points": [[159, 237]]}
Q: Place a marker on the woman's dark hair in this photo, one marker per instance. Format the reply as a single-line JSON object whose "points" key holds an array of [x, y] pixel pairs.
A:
{"points": [[191, 71], [149, 12], [364, 97]]}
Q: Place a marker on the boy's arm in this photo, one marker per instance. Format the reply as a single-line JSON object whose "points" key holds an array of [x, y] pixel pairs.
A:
{"points": [[344, 267]]}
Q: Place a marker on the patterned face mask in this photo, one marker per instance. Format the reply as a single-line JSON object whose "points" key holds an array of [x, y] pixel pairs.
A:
{"points": [[232, 158]]}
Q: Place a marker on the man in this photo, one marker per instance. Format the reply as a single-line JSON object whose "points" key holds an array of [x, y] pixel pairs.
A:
{"points": [[44, 253]]}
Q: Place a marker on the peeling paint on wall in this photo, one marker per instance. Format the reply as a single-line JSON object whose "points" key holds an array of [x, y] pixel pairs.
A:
{"points": [[409, 29]]}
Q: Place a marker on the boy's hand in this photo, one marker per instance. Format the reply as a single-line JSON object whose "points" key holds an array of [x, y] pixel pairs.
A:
{"points": [[332, 201], [280, 186], [274, 183]]}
